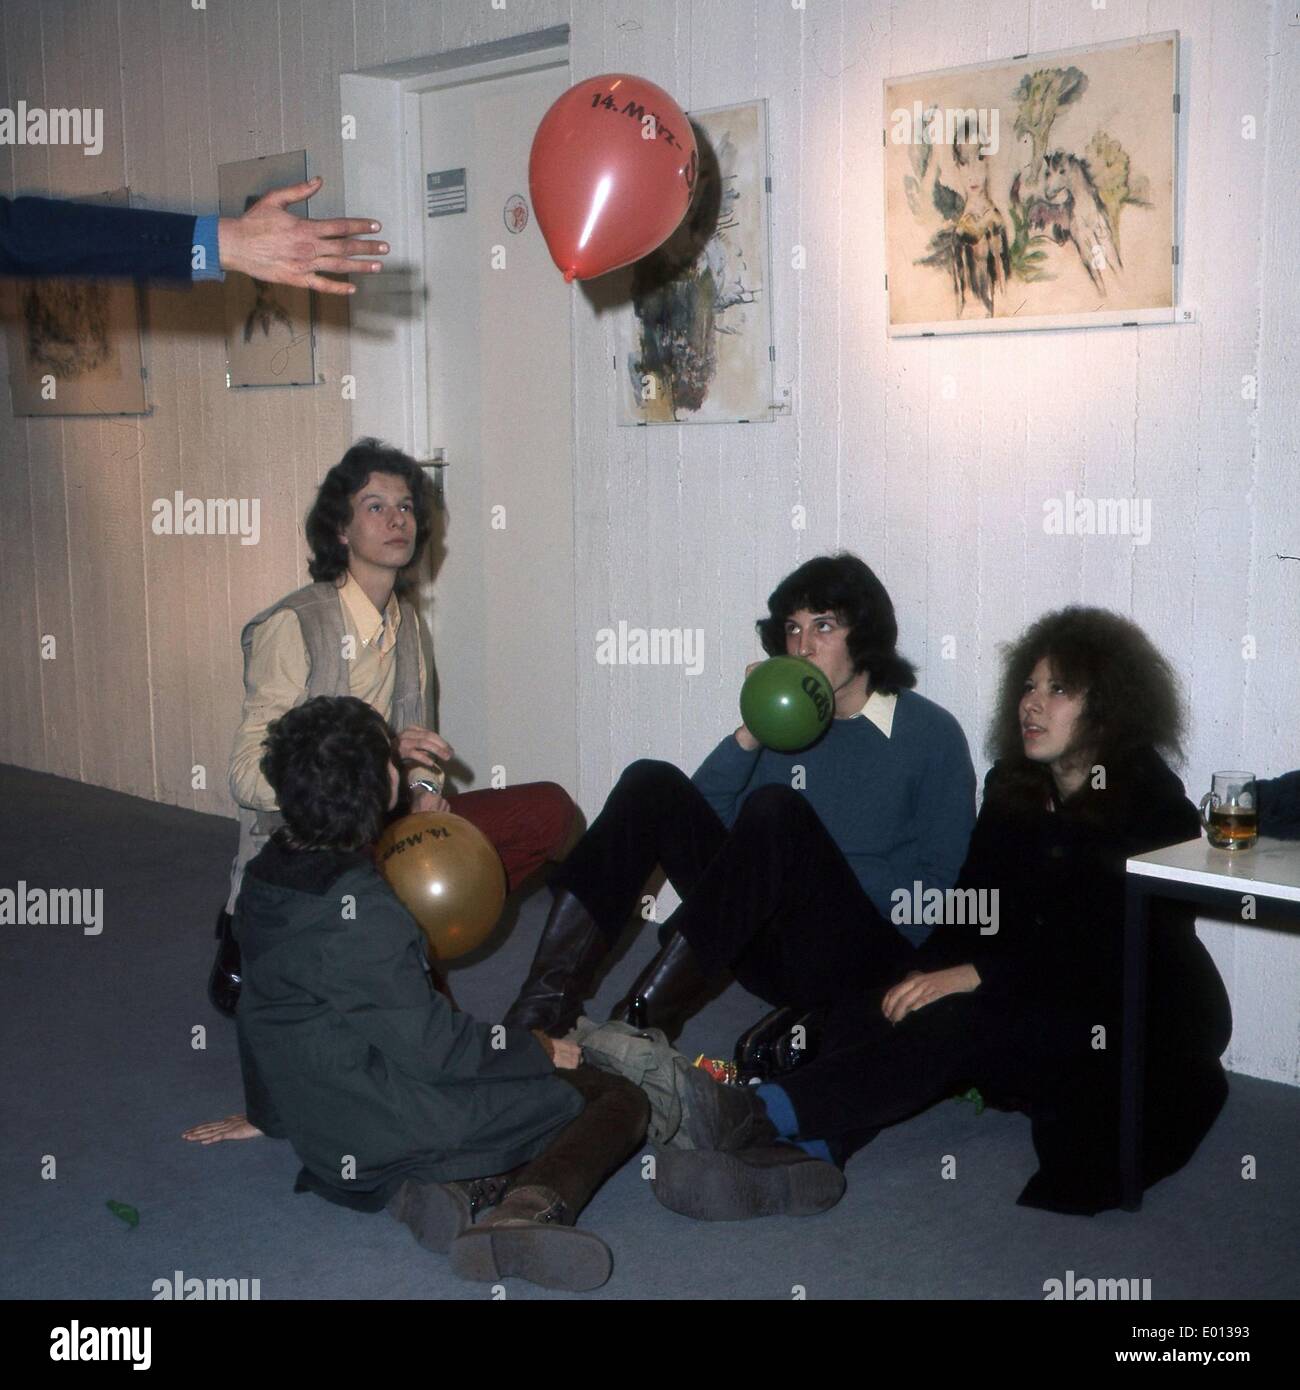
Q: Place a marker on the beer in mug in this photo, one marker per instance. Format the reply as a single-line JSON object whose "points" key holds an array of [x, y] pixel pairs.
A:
{"points": [[1229, 812]]}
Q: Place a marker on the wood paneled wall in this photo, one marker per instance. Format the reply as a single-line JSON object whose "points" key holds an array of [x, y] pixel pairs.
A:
{"points": [[929, 458]]}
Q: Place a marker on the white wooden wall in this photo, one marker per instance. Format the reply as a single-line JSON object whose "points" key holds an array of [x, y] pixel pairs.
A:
{"points": [[930, 458]]}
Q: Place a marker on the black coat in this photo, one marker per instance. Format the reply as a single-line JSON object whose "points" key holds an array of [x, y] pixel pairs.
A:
{"points": [[350, 1054], [1052, 976], [1279, 806]]}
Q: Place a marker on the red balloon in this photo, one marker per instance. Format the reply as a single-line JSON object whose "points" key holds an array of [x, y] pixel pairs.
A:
{"points": [[611, 173]]}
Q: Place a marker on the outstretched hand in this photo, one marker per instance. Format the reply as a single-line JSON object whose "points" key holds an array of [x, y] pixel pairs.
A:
{"points": [[214, 1131], [269, 243]]}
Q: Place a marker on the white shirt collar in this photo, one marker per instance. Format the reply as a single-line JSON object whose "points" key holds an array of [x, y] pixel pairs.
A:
{"points": [[879, 709]]}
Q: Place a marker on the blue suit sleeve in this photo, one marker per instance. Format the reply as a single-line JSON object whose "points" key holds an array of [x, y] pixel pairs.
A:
{"points": [[46, 237]]}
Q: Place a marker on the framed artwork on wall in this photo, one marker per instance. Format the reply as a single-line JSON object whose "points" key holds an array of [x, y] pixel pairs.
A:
{"points": [[74, 345], [695, 342], [1036, 192], [268, 327]]}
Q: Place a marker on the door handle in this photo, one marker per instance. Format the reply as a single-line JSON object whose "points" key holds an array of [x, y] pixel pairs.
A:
{"points": [[433, 469]]}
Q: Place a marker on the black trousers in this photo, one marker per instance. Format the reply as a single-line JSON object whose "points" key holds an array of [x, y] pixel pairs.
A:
{"points": [[773, 899], [1034, 1054]]}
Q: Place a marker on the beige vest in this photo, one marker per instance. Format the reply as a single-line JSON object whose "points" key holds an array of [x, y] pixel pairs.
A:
{"points": [[320, 614]]}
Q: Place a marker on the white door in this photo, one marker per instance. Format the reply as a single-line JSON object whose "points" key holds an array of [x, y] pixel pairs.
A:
{"points": [[500, 392]]}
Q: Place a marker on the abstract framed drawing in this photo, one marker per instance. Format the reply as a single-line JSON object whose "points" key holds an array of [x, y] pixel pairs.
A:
{"points": [[268, 327], [1035, 192], [74, 345], [695, 340]]}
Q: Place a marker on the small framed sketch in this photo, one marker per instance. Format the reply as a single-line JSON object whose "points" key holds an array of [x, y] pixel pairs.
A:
{"points": [[695, 343], [74, 345], [1034, 193], [268, 327]]}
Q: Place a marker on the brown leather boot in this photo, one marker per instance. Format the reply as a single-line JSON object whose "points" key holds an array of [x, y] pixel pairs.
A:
{"points": [[572, 945], [666, 991], [530, 1235]]}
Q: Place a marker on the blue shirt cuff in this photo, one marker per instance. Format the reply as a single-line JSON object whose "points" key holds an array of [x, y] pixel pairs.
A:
{"points": [[205, 261]]}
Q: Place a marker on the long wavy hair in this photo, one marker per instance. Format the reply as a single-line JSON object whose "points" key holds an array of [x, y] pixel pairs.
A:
{"points": [[843, 585], [327, 761], [1131, 696], [331, 512]]}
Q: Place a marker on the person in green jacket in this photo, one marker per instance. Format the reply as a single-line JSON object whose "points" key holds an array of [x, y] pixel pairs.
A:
{"points": [[389, 1096]]}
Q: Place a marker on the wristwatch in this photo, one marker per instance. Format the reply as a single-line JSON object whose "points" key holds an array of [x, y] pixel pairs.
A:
{"points": [[424, 778]]}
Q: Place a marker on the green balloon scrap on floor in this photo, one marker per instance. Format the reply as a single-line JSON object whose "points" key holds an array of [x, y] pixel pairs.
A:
{"points": [[975, 1099], [124, 1213]]}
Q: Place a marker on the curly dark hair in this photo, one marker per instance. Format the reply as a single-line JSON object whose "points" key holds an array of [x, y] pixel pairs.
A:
{"points": [[332, 510], [1131, 695], [843, 585], [327, 761]]}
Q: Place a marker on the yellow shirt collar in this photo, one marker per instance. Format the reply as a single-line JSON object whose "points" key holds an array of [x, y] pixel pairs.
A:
{"points": [[373, 628]]}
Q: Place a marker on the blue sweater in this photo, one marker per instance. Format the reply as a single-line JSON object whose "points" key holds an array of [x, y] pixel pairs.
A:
{"points": [[901, 809], [47, 236]]}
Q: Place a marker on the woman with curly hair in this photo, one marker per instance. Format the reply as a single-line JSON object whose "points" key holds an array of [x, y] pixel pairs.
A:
{"points": [[1029, 1011]]}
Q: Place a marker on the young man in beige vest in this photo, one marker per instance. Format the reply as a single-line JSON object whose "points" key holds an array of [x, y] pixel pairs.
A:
{"points": [[348, 633]]}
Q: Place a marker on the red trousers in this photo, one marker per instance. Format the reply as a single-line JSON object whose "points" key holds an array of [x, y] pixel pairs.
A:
{"points": [[528, 824]]}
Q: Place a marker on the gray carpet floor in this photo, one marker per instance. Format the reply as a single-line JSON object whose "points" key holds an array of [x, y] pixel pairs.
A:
{"points": [[102, 1073]]}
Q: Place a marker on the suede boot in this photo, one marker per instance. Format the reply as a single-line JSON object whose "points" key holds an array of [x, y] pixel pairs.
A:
{"points": [[769, 1180], [436, 1213], [667, 991], [571, 947], [738, 1167], [530, 1235], [721, 1118]]}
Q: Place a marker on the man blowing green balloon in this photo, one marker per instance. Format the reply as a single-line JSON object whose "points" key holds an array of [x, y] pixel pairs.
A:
{"points": [[786, 863]]}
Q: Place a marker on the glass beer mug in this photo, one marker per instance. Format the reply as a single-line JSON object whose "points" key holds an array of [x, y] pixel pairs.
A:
{"points": [[1228, 811]]}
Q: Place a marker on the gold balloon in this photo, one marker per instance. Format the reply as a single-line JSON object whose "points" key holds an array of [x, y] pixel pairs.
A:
{"points": [[448, 877]]}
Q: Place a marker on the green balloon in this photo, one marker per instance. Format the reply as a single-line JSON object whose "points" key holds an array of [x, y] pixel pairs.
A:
{"points": [[786, 703]]}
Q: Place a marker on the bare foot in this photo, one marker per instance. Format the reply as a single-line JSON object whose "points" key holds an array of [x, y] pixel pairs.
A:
{"points": [[232, 1127]]}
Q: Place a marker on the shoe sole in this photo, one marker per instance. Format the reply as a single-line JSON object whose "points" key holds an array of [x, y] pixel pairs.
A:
{"points": [[434, 1215], [554, 1257], [720, 1187]]}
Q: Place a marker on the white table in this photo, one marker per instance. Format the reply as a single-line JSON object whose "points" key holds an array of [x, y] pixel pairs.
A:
{"points": [[1196, 872]]}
